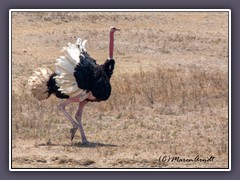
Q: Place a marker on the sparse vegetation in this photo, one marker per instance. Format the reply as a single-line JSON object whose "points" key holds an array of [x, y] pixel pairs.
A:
{"points": [[169, 90]]}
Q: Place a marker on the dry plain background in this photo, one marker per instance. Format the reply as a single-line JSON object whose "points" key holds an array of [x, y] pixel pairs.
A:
{"points": [[169, 90]]}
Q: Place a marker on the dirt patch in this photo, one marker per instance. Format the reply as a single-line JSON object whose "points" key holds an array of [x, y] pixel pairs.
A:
{"points": [[52, 162], [143, 163]]}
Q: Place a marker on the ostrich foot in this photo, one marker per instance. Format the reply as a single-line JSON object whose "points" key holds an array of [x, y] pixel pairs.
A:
{"points": [[73, 132], [85, 141]]}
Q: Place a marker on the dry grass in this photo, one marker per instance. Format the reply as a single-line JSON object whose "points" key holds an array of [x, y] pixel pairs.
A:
{"points": [[170, 94]]}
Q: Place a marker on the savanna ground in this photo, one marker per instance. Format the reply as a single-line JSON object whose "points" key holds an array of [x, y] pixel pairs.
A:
{"points": [[169, 90]]}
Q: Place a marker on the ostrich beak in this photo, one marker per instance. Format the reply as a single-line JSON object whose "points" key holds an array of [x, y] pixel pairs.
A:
{"points": [[118, 29]]}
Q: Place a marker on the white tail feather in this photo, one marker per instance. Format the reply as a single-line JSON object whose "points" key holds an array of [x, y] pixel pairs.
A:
{"points": [[38, 83]]}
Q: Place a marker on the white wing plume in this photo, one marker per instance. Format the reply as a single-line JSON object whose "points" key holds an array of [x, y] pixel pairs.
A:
{"points": [[65, 68]]}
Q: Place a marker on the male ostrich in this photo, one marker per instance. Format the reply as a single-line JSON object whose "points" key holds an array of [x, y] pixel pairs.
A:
{"points": [[77, 78]]}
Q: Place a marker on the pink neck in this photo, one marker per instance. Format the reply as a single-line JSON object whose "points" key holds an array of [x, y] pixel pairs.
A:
{"points": [[111, 44]]}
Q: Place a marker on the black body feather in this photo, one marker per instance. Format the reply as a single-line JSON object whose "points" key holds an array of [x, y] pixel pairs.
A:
{"points": [[83, 73], [95, 78], [53, 88], [108, 67]]}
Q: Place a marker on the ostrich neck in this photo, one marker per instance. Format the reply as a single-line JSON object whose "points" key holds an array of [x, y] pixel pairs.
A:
{"points": [[111, 45]]}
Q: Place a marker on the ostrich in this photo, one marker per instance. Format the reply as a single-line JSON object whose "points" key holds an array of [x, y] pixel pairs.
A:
{"points": [[77, 78]]}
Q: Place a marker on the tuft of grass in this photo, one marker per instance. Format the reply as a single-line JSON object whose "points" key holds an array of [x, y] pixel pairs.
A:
{"points": [[171, 91]]}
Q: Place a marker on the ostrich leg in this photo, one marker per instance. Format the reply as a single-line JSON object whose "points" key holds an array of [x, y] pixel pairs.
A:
{"points": [[62, 108], [79, 119]]}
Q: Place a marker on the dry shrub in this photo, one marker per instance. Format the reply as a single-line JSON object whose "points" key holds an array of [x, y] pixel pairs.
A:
{"points": [[174, 91], [34, 119]]}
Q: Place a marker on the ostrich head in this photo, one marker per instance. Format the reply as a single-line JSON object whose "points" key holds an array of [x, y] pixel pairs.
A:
{"points": [[111, 41], [113, 29]]}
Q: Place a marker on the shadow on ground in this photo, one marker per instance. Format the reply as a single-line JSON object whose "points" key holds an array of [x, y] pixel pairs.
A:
{"points": [[80, 144]]}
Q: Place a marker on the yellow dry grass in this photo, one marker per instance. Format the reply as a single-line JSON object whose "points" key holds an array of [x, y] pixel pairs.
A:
{"points": [[169, 90]]}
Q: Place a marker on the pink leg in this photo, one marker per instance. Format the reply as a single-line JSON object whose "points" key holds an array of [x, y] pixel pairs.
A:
{"points": [[79, 119], [62, 108]]}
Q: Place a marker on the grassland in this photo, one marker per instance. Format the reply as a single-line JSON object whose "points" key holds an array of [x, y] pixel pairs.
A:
{"points": [[169, 90]]}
